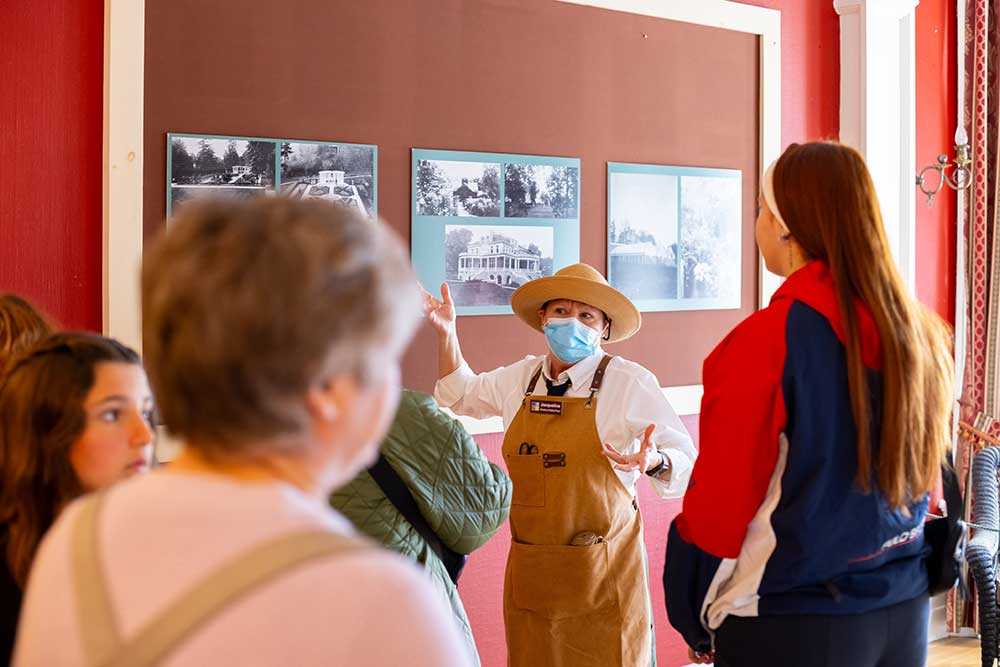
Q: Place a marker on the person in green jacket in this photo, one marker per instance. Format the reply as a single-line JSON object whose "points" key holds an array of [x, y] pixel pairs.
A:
{"points": [[462, 496]]}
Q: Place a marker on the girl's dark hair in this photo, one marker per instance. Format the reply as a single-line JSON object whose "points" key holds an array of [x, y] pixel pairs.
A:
{"points": [[41, 416], [21, 327]]}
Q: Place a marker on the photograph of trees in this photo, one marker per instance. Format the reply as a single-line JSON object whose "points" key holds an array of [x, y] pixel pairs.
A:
{"points": [[710, 238], [218, 167], [457, 188], [642, 235], [231, 162], [540, 191]]}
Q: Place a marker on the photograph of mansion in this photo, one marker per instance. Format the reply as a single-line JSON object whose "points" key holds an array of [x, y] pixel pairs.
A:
{"points": [[499, 259]]}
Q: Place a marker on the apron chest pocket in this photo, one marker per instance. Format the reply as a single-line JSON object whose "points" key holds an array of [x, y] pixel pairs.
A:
{"points": [[528, 478], [560, 581]]}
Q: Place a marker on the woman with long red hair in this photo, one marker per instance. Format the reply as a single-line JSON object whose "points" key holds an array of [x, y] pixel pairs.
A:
{"points": [[825, 420]]}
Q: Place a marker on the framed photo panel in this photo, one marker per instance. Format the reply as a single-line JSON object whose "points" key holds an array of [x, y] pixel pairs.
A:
{"points": [[674, 236], [202, 165], [486, 223]]}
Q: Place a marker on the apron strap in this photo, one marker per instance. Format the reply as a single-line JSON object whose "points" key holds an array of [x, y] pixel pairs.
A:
{"points": [[534, 380], [595, 385], [95, 616], [213, 593]]}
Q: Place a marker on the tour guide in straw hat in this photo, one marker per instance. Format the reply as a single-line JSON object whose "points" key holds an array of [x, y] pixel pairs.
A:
{"points": [[581, 428]]}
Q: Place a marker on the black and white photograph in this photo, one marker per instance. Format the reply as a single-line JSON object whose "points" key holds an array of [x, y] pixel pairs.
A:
{"points": [[456, 188], [485, 264], [642, 235], [231, 167], [540, 191], [710, 239], [339, 173]]}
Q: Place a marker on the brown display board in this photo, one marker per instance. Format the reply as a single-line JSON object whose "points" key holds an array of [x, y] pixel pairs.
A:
{"points": [[514, 76]]}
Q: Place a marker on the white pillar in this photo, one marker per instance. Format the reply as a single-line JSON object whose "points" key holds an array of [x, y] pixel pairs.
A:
{"points": [[878, 109], [124, 30]]}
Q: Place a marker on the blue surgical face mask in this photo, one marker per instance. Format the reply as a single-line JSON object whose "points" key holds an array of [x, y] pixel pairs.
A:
{"points": [[570, 340]]}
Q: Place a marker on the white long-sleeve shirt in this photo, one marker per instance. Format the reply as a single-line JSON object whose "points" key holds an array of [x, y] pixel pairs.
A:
{"points": [[630, 399]]}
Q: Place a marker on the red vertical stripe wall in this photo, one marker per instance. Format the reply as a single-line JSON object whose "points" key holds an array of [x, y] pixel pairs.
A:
{"points": [[936, 118], [51, 124]]}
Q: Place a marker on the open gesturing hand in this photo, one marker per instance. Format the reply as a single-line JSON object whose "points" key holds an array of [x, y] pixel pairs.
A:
{"points": [[441, 314], [645, 459]]}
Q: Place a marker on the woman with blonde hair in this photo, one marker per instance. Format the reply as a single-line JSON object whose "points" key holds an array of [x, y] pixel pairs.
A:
{"points": [[272, 332], [824, 424]]}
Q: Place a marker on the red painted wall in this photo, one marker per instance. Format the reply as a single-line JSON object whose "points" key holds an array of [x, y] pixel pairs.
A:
{"points": [[810, 109], [51, 146], [50, 204], [936, 119], [810, 69]]}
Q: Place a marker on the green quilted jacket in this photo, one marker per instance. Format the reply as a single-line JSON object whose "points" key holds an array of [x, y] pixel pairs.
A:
{"points": [[463, 496]]}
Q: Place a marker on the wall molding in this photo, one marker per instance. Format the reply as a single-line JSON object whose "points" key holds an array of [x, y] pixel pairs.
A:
{"points": [[124, 54], [878, 110]]}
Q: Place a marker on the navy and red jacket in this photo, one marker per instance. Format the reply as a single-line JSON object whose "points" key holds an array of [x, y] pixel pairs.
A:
{"points": [[773, 521]]}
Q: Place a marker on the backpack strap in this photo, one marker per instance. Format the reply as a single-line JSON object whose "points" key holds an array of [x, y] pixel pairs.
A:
{"points": [[95, 615], [235, 579], [396, 491]]}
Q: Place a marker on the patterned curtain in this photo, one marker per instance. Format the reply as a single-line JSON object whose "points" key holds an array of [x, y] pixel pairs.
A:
{"points": [[979, 268]]}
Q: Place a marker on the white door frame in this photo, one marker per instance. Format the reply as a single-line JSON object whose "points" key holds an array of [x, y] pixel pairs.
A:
{"points": [[878, 110], [124, 54]]}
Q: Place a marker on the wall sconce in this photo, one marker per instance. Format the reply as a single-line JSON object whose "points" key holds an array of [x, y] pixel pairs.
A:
{"points": [[960, 178]]}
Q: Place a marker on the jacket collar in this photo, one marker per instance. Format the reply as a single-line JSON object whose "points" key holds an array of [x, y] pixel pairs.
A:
{"points": [[814, 286]]}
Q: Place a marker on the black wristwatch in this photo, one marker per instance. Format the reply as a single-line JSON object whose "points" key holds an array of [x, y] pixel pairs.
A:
{"points": [[664, 463]]}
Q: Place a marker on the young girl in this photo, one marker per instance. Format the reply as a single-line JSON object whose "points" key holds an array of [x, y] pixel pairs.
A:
{"points": [[75, 416]]}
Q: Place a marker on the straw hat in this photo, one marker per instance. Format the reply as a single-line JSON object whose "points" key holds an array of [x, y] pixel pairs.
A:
{"points": [[583, 283]]}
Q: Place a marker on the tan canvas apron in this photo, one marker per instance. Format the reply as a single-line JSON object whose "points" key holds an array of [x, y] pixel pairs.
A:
{"points": [[571, 606]]}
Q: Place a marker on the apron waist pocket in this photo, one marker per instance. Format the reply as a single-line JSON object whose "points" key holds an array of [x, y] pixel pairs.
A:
{"points": [[560, 581]]}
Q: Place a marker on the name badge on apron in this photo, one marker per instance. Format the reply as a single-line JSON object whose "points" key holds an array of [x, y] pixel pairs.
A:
{"points": [[545, 407]]}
